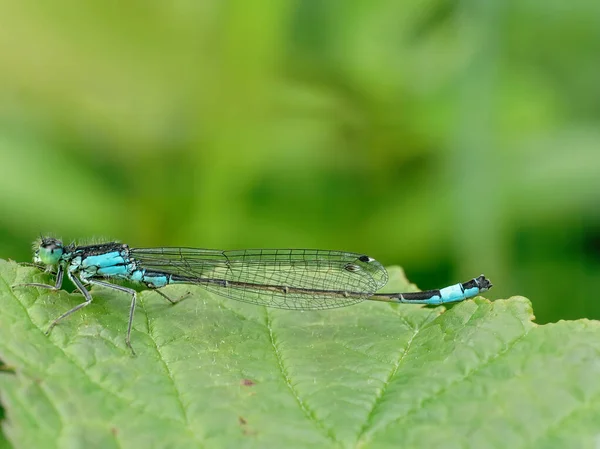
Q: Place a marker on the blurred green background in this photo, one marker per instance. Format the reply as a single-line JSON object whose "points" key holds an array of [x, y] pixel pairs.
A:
{"points": [[452, 138]]}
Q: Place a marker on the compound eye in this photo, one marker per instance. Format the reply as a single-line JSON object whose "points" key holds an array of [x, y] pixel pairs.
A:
{"points": [[51, 244], [50, 252]]}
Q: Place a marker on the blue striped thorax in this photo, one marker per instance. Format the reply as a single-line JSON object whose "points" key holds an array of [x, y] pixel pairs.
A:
{"points": [[107, 259]]}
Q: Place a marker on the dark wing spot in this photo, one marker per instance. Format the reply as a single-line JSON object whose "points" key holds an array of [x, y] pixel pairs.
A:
{"points": [[352, 268]]}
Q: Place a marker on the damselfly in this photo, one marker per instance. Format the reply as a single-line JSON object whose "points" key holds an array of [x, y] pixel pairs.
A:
{"points": [[298, 279]]}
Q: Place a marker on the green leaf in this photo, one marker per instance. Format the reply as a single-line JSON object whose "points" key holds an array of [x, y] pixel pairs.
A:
{"points": [[212, 372]]}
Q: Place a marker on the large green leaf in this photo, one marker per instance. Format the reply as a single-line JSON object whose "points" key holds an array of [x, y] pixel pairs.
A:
{"points": [[212, 372]]}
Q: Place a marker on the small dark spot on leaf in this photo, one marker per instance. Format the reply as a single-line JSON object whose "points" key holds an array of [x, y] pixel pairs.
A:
{"points": [[247, 382], [248, 431], [114, 431]]}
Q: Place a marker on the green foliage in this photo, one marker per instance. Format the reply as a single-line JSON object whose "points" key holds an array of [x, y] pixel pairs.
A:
{"points": [[212, 372], [452, 138]]}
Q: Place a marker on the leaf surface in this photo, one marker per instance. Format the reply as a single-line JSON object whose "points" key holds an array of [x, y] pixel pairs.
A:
{"points": [[211, 372]]}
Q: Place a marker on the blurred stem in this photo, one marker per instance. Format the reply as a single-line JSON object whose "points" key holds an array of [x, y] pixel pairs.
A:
{"points": [[250, 40], [475, 162]]}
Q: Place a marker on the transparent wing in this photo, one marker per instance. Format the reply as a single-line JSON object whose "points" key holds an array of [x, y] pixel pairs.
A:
{"points": [[301, 279]]}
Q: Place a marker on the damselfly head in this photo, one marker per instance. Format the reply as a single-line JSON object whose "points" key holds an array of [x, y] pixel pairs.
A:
{"points": [[47, 250]]}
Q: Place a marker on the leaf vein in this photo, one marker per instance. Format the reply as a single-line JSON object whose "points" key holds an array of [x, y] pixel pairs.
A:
{"points": [[310, 415], [581, 406], [75, 364], [462, 379], [379, 397], [169, 375]]}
